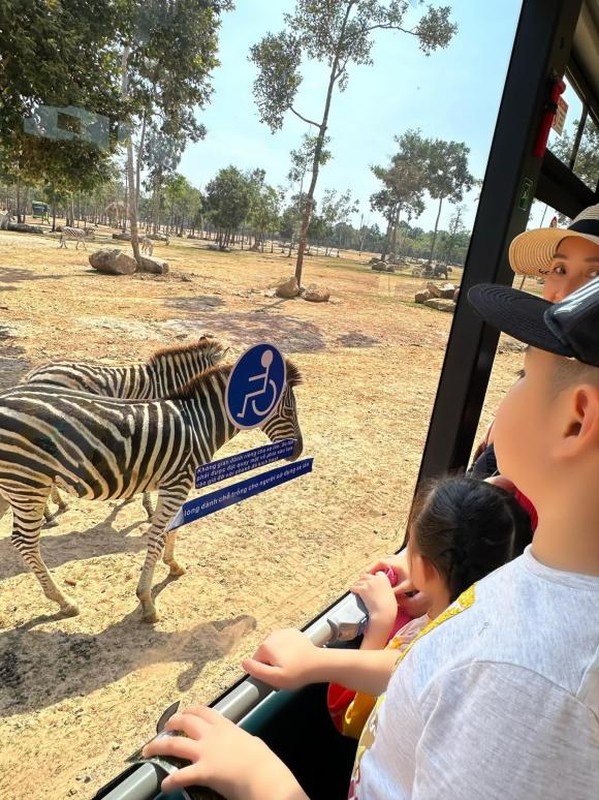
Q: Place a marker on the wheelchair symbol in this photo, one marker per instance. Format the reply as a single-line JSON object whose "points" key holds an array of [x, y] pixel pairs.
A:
{"points": [[255, 386], [269, 387]]}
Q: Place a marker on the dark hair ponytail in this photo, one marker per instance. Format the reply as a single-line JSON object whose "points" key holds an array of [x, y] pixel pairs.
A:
{"points": [[465, 528]]}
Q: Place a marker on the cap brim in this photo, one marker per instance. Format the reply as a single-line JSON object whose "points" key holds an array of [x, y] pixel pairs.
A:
{"points": [[531, 252], [518, 314]]}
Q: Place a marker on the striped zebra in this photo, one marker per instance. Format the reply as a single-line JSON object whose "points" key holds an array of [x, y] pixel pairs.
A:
{"points": [[167, 371], [76, 234], [147, 245], [100, 448]]}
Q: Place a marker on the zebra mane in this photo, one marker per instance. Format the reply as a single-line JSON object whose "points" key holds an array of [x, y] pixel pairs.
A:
{"points": [[294, 376], [204, 343], [190, 390]]}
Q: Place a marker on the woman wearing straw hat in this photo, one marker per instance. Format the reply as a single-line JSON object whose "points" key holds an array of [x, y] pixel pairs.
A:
{"points": [[565, 259]]}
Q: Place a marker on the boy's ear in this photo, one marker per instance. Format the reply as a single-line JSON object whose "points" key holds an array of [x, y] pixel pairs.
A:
{"points": [[581, 429]]}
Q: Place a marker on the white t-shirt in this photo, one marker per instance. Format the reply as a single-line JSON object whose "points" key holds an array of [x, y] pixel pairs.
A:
{"points": [[498, 698]]}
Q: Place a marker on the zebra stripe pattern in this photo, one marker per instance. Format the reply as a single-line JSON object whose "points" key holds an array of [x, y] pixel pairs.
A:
{"points": [[147, 245], [73, 234], [100, 448], [167, 371], [163, 374]]}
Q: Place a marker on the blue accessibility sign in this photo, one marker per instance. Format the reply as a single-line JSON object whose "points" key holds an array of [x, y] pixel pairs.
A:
{"points": [[229, 495], [216, 471], [255, 386]]}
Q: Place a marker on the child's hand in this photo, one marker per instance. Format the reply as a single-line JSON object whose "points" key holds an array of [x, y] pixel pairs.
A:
{"points": [[379, 599], [408, 599], [286, 660], [223, 757]]}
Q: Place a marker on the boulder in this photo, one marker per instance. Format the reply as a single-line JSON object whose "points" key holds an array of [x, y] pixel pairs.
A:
{"points": [[422, 295], [447, 291], [154, 265], [122, 237], [433, 289], [113, 262], [22, 227], [440, 305], [288, 289], [316, 294]]}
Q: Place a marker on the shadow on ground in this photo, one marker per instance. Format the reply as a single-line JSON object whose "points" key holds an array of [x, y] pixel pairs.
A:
{"points": [[40, 668], [62, 548]]}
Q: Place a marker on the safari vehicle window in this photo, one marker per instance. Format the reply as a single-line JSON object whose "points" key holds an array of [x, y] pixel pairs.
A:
{"points": [[179, 183]]}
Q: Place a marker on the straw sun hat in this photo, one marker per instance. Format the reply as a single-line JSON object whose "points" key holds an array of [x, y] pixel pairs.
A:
{"points": [[531, 252]]}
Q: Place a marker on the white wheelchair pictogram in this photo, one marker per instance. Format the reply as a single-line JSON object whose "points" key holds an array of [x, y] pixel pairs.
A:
{"points": [[267, 390]]}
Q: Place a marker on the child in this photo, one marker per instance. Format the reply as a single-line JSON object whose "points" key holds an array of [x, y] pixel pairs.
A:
{"points": [[499, 697], [461, 529]]}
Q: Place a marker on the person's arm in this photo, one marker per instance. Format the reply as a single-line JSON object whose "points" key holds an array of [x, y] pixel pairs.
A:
{"points": [[287, 659], [224, 758], [379, 599], [502, 731]]}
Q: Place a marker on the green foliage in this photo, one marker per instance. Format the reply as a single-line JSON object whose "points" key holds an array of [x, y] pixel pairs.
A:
{"points": [[586, 164], [278, 58], [303, 157], [228, 198], [447, 171]]}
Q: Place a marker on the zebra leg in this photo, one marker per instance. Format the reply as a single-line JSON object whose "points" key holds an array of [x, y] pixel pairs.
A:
{"points": [[147, 504], [175, 569], [57, 498], [4, 506], [169, 501], [51, 521], [27, 523]]}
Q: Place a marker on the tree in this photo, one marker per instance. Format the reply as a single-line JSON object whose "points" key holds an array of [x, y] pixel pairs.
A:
{"points": [[168, 55], [59, 92], [228, 197], [586, 164], [265, 207], [337, 33], [447, 176], [404, 183]]}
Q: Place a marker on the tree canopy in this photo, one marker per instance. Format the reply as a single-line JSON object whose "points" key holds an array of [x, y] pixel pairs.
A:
{"points": [[338, 34]]}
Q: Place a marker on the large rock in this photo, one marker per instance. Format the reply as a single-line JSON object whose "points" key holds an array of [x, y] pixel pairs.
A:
{"points": [[433, 289], [154, 265], [288, 289], [447, 291], [440, 305], [113, 262], [316, 294], [422, 295]]}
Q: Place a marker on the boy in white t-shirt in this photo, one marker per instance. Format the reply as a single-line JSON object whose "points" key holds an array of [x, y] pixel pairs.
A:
{"points": [[499, 696]]}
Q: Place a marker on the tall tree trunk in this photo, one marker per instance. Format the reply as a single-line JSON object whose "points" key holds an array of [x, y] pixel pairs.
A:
{"points": [[333, 76], [435, 232], [140, 151], [132, 193]]}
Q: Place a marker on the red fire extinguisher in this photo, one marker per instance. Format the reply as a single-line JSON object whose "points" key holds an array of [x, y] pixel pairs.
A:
{"points": [[557, 88]]}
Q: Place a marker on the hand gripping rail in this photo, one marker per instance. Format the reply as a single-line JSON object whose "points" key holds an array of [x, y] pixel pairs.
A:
{"points": [[343, 621]]}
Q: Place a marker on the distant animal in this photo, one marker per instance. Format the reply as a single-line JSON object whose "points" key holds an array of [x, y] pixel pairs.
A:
{"points": [[5, 219], [147, 245], [168, 370], [100, 448], [74, 234]]}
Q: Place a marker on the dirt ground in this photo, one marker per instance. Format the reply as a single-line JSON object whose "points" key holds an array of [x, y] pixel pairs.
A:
{"points": [[78, 695]]}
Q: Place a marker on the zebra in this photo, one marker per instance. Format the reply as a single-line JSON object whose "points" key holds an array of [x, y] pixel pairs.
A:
{"points": [[166, 371], [78, 234], [100, 448], [5, 220], [147, 245]]}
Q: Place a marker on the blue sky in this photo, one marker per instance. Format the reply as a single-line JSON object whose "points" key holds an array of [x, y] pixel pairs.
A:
{"points": [[452, 94]]}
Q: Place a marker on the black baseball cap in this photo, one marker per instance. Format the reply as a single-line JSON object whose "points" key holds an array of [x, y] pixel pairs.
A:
{"points": [[569, 328]]}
